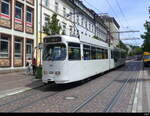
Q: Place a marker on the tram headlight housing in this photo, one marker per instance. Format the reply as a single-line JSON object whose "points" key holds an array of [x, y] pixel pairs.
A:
{"points": [[57, 73], [46, 72]]}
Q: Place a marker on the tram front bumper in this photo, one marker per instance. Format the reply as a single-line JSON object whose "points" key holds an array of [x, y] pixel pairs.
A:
{"points": [[47, 80]]}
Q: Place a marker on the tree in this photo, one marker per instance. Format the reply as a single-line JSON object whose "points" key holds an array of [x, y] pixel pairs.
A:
{"points": [[123, 46], [52, 28], [137, 50], [146, 36]]}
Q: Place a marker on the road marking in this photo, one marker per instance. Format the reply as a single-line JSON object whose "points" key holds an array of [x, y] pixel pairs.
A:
{"points": [[13, 92], [137, 103]]}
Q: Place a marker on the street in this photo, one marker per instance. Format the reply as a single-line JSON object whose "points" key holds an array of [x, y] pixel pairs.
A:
{"points": [[114, 91]]}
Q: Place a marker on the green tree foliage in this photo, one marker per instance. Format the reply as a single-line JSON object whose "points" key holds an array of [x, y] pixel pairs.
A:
{"points": [[123, 46], [146, 36], [137, 50], [52, 28]]}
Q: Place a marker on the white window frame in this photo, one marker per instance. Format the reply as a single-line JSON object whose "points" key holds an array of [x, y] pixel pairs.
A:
{"points": [[21, 11], [46, 16], [46, 3], [15, 42], [30, 14], [64, 12], [56, 7], [1, 39], [31, 54]]}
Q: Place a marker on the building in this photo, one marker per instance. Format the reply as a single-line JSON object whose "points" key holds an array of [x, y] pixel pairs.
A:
{"points": [[17, 32], [22, 22], [113, 28], [75, 19]]}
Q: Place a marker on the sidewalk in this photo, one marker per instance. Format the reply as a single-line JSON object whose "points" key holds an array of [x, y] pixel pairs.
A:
{"points": [[13, 83], [142, 94]]}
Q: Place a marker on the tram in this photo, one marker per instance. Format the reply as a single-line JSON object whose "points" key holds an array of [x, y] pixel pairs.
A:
{"points": [[146, 59], [69, 59]]}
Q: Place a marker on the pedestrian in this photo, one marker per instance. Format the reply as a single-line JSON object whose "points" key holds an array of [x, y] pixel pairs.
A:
{"points": [[34, 65], [29, 66]]}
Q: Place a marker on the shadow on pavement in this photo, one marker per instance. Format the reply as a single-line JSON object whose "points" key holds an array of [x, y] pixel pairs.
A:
{"points": [[63, 87]]}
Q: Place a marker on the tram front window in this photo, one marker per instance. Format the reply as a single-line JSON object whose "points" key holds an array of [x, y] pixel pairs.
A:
{"points": [[54, 52]]}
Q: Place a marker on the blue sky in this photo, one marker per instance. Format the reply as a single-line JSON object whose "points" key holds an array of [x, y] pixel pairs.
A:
{"points": [[132, 15]]}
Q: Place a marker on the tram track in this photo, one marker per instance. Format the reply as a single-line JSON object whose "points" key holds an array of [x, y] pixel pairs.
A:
{"points": [[116, 97], [43, 97], [28, 96], [97, 93]]}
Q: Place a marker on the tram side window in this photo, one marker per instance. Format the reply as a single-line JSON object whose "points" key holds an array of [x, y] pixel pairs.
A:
{"points": [[98, 53], [103, 54], [123, 55], [112, 54], [74, 52], [93, 53], [106, 52], [115, 56], [86, 52]]}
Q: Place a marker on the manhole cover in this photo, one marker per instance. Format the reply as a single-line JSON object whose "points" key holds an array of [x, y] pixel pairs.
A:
{"points": [[70, 98]]}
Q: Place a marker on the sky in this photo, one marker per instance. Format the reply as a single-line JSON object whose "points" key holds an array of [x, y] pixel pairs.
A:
{"points": [[130, 14]]}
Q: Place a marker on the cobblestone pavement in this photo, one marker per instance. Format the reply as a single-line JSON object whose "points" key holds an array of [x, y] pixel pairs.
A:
{"points": [[15, 82], [65, 98]]}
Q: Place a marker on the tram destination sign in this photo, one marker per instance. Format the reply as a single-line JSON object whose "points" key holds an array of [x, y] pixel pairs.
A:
{"points": [[52, 39]]}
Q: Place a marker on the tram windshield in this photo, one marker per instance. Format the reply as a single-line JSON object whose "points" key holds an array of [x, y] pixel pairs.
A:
{"points": [[54, 52]]}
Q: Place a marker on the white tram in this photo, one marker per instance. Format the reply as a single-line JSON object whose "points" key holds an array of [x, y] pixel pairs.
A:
{"points": [[68, 59]]}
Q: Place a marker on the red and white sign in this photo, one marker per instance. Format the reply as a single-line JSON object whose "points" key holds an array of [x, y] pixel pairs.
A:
{"points": [[18, 20], [5, 16], [29, 24]]}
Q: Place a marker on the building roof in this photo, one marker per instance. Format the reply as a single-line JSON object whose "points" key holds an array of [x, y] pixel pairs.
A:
{"points": [[110, 19]]}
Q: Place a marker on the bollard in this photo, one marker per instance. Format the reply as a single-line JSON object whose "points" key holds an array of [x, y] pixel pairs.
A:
{"points": [[38, 72]]}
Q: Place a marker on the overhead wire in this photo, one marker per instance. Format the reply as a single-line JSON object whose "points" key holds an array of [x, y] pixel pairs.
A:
{"points": [[123, 15]]}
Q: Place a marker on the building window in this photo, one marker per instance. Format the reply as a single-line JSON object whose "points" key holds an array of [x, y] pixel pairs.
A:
{"points": [[29, 49], [85, 23], [46, 3], [71, 14], [18, 48], [18, 11], [29, 15], [71, 30], [56, 7], [89, 27], [64, 12], [77, 19], [4, 46], [47, 18], [5, 7], [82, 20], [74, 51], [64, 28]]}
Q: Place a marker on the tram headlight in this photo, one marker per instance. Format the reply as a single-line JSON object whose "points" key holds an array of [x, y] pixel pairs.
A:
{"points": [[57, 73], [51, 72]]}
